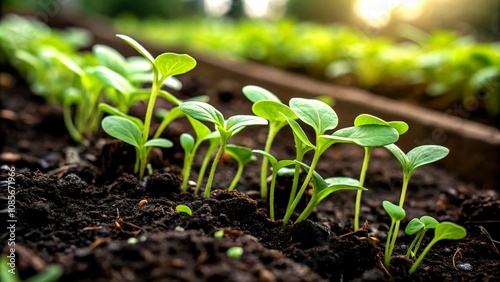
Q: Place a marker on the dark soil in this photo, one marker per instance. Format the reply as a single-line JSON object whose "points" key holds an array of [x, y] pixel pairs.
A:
{"points": [[78, 205]]}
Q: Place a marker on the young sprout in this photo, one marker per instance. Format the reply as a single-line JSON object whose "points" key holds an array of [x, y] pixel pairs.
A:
{"points": [[365, 119], [242, 155], [276, 167], [214, 141], [234, 252], [226, 128], [444, 231], [414, 159], [420, 227], [51, 273], [324, 187], [185, 209], [397, 214], [164, 66], [270, 107]]}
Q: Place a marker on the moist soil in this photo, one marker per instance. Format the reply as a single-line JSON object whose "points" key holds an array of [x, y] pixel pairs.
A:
{"points": [[78, 205]]}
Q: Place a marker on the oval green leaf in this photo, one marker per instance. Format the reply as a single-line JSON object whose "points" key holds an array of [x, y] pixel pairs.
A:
{"points": [[256, 93], [425, 154], [113, 79], [185, 209], [170, 64], [110, 58], [241, 154], [122, 129], [396, 212], [272, 111], [114, 111], [450, 231], [137, 46], [202, 111], [239, 121], [320, 116], [187, 142], [429, 222], [369, 135], [414, 226], [159, 142]]}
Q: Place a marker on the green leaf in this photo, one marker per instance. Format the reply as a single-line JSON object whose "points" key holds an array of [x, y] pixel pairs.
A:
{"points": [[110, 58], [414, 226], [272, 111], [200, 129], [137, 46], [68, 63], [400, 126], [234, 252], [399, 154], [187, 142], [123, 129], [257, 93], [270, 157], [299, 133], [159, 142], [317, 114], [429, 222], [173, 83], [51, 273], [449, 231], [169, 97], [425, 154], [241, 154], [342, 180], [113, 79], [202, 111], [369, 135], [239, 121], [184, 209], [365, 119], [114, 111], [170, 64], [396, 212]]}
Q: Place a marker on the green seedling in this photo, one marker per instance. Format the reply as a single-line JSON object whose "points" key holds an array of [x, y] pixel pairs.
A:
{"points": [[397, 214], [214, 141], [242, 155], [51, 273], [418, 227], [444, 231], [365, 119], [226, 128], [414, 159], [164, 66], [184, 209], [276, 167], [234, 252], [270, 107], [324, 187]]}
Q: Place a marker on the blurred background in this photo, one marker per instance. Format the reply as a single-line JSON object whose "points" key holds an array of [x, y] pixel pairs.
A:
{"points": [[438, 54]]}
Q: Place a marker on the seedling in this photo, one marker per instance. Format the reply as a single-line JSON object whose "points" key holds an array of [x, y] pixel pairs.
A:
{"points": [[226, 128], [270, 107], [365, 119], [419, 227], [397, 214], [324, 187], [444, 231], [276, 167], [242, 155], [164, 66], [184, 209], [234, 252], [219, 234], [51, 273]]}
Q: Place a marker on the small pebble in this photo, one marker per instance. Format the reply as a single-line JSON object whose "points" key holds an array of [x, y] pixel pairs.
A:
{"points": [[464, 266]]}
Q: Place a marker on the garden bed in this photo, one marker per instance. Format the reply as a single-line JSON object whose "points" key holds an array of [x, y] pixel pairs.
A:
{"points": [[77, 206]]}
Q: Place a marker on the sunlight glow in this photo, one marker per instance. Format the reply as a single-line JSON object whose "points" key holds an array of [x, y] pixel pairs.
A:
{"points": [[217, 8], [378, 13]]}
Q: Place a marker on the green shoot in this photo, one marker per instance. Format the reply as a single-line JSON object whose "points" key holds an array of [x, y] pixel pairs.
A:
{"points": [[323, 188], [444, 231], [397, 214], [276, 167], [270, 107], [234, 252], [164, 66], [214, 140], [184, 209], [219, 234], [242, 155], [52, 273], [419, 227], [227, 128], [365, 119]]}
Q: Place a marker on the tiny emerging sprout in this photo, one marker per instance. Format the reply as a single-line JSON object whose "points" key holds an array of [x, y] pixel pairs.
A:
{"points": [[242, 155], [397, 214], [419, 227], [184, 209], [52, 273], [226, 128], [444, 231], [234, 252], [219, 234], [179, 229]]}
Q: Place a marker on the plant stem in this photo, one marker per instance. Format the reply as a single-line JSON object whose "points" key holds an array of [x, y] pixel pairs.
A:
{"points": [[271, 196], [406, 180], [410, 253], [296, 201], [186, 169], [300, 155], [359, 193], [237, 177], [308, 210], [204, 165], [387, 254], [273, 130], [421, 257], [213, 168]]}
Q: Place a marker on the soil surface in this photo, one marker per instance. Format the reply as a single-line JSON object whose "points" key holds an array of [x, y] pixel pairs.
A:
{"points": [[78, 205]]}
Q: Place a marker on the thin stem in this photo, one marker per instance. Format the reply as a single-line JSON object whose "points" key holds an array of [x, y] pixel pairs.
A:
{"points": [[393, 242], [308, 210], [417, 246], [300, 155], [359, 193], [237, 176], [406, 180], [213, 168], [69, 124], [271, 196], [387, 254], [204, 165], [273, 130], [410, 253], [421, 257], [302, 188], [186, 169]]}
